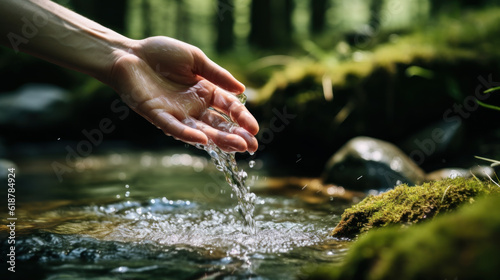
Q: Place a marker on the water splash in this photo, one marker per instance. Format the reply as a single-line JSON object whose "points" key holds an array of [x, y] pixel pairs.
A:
{"points": [[226, 163], [148, 236]]}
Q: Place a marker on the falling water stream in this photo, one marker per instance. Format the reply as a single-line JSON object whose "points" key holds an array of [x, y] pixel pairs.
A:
{"points": [[226, 163]]}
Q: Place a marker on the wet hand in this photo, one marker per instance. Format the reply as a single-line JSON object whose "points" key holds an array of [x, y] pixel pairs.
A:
{"points": [[173, 85]]}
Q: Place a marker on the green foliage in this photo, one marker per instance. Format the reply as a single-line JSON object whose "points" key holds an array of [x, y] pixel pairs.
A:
{"points": [[489, 106], [406, 205]]}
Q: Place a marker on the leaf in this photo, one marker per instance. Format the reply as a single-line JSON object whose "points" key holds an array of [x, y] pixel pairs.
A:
{"points": [[492, 89], [494, 162], [489, 106]]}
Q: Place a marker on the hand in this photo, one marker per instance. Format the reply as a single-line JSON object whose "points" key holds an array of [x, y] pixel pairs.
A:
{"points": [[172, 84]]}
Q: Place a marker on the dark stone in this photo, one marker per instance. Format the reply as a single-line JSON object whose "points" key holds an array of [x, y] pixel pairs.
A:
{"points": [[34, 106], [435, 141], [4, 168], [366, 163]]}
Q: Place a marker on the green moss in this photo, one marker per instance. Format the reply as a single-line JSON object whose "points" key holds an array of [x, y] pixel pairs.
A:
{"points": [[470, 37], [408, 205], [460, 245]]}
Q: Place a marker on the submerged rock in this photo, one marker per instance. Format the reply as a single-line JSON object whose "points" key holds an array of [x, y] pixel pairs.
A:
{"points": [[409, 205], [366, 163], [310, 190], [462, 245]]}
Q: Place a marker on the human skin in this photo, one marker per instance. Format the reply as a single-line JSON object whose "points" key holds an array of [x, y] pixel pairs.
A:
{"points": [[170, 83]]}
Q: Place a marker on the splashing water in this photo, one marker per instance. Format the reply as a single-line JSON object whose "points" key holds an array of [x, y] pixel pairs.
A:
{"points": [[226, 163], [194, 233]]}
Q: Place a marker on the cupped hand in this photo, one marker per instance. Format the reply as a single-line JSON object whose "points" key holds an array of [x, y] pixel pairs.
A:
{"points": [[173, 85]]}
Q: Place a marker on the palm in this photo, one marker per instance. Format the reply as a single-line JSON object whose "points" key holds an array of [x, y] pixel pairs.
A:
{"points": [[172, 84]]}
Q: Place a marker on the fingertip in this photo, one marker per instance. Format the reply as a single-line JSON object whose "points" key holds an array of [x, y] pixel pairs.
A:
{"points": [[234, 143], [247, 121], [251, 141], [190, 136], [239, 87]]}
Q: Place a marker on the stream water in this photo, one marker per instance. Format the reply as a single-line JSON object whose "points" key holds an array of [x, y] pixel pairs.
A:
{"points": [[161, 215]]}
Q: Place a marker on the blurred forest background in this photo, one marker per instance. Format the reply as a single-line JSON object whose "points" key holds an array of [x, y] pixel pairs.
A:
{"points": [[382, 68]]}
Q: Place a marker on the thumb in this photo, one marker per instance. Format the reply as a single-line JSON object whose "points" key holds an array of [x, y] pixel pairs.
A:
{"points": [[209, 70]]}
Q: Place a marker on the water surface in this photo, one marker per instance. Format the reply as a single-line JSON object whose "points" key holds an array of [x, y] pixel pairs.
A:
{"points": [[168, 215]]}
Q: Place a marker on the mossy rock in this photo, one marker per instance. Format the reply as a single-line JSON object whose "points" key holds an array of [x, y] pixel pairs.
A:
{"points": [[460, 245], [406, 205]]}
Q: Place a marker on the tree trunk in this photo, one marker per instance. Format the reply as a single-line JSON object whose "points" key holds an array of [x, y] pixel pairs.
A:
{"points": [[271, 23], [182, 21], [375, 15], [260, 24], [224, 20], [146, 18], [441, 6], [318, 10]]}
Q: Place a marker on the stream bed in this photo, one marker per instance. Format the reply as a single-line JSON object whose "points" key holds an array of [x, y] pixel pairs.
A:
{"points": [[160, 215]]}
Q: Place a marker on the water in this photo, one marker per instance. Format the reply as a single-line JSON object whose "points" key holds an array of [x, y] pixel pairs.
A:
{"points": [[161, 215], [226, 163]]}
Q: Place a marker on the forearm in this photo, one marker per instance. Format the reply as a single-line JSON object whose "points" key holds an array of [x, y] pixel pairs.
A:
{"points": [[56, 34]]}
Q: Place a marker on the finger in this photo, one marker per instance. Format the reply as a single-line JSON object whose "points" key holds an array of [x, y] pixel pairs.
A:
{"points": [[218, 122], [173, 127], [252, 143], [231, 106], [209, 70], [226, 141]]}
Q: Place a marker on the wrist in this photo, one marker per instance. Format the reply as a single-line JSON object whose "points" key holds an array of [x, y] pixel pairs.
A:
{"points": [[119, 46]]}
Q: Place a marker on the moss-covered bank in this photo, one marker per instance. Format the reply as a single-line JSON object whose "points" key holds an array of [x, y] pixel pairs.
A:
{"points": [[387, 91], [406, 205], [461, 245]]}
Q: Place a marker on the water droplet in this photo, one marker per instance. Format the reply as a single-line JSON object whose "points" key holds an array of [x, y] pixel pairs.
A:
{"points": [[251, 163], [219, 167], [242, 98], [127, 186], [213, 154], [127, 194]]}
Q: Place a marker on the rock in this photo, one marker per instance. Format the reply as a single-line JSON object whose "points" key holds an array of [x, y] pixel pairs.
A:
{"points": [[366, 163], [461, 245], [484, 172], [34, 106], [4, 166], [409, 205], [436, 140]]}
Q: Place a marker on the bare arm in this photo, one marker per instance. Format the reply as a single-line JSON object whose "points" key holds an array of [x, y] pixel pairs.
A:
{"points": [[170, 83]]}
